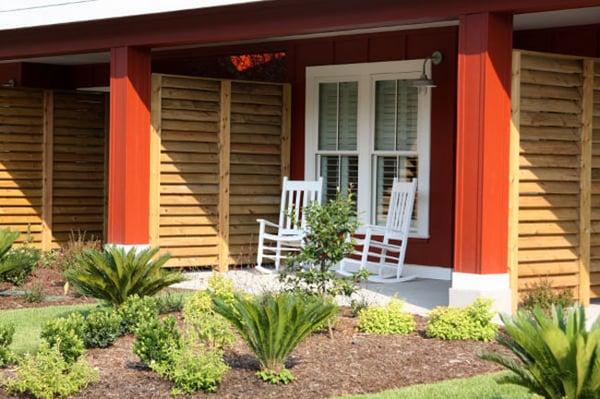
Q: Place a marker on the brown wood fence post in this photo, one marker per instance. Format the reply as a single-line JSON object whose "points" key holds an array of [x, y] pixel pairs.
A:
{"points": [[155, 150], [47, 168], [286, 126], [224, 173], [585, 195], [513, 215]]}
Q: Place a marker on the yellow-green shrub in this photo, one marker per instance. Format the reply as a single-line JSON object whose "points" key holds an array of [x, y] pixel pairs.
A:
{"points": [[207, 326], [473, 322], [47, 375], [390, 319]]}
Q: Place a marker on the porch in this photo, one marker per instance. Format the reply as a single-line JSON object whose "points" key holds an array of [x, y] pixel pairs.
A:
{"points": [[228, 120], [420, 295]]}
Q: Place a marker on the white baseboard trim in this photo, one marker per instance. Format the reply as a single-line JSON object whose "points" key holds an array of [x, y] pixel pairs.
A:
{"points": [[432, 272], [490, 282], [129, 247]]}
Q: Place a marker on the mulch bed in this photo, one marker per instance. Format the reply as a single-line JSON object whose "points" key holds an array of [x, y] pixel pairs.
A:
{"points": [[351, 363], [52, 284]]}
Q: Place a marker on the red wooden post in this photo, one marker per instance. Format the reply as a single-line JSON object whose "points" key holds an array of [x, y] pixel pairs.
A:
{"points": [[482, 159], [129, 148]]}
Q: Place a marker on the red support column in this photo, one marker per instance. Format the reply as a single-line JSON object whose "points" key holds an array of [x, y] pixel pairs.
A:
{"points": [[129, 147], [482, 164]]}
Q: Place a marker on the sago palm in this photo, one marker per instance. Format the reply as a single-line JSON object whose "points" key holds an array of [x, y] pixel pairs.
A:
{"points": [[115, 274], [273, 325], [557, 357], [7, 239]]}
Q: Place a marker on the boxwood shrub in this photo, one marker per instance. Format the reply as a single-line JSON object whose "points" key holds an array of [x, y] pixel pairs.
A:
{"points": [[102, 327], [386, 320], [473, 322]]}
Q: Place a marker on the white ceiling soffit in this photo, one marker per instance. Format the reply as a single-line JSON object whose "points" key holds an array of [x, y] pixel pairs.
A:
{"points": [[16, 14], [555, 19]]}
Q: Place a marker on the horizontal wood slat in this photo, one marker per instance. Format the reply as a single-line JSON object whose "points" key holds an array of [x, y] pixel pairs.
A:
{"points": [[196, 180], [52, 175], [551, 237]]}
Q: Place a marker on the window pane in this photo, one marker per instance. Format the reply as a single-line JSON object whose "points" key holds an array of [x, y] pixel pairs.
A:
{"points": [[339, 171], [338, 113], [396, 107], [348, 115], [387, 169], [328, 116]]}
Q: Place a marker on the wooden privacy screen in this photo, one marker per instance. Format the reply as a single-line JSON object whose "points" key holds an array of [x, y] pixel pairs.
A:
{"points": [[21, 146], [52, 164], [554, 187], [595, 213], [219, 151]]}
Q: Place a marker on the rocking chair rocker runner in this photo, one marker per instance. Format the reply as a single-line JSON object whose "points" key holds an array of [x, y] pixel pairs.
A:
{"points": [[288, 235], [384, 247]]}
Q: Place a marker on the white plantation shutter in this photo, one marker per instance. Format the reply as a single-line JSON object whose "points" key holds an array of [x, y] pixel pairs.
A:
{"points": [[387, 169], [339, 171], [338, 117], [396, 111], [396, 115]]}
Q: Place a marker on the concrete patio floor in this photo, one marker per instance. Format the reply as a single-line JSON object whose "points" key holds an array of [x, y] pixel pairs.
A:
{"points": [[420, 295]]}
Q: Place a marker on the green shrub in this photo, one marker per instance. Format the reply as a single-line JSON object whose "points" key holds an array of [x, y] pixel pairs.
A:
{"points": [[102, 327], [193, 369], [7, 332], [473, 322], [330, 227], [386, 320], [46, 375], [207, 326], [18, 263], [356, 305], [136, 311], [66, 334], [35, 294], [7, 239], [542, 295], [155, 339], [221, 287], [273, 325], [116, 274], [557, 357], [170, 302]]}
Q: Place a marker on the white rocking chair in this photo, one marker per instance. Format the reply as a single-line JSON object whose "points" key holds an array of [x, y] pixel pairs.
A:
{"points": [[288, 235], [380, 255]]}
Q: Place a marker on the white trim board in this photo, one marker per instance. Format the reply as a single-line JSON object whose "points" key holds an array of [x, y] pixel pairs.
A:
{"points": [[431, 272]]}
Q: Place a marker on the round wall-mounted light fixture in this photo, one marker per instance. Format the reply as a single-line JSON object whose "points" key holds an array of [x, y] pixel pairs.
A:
{"points": [[425, 81]]}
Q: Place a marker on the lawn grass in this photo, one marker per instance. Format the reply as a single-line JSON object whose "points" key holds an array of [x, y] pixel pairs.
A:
{"points": [[28, 323], [480, 387]]}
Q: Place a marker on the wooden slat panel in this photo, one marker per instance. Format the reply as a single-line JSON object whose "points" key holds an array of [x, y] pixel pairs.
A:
{"points": [[594, 102], [79, 164], [185, 118], [22, 125], [554, 153], [221, 164]]}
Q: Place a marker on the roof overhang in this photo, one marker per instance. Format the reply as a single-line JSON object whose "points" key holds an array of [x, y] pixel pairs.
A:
{"points": [[254, 21]]}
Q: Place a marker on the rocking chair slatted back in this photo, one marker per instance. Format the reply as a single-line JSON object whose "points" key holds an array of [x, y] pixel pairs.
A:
{"points": [[295, 196], [400, 209]]}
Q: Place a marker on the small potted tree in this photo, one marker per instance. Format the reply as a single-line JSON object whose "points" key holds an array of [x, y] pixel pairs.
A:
{"points": [[330, 227]]}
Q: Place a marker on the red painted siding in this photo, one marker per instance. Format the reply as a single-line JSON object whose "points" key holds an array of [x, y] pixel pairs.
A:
{"points": [[574, 40], [438, 249]]}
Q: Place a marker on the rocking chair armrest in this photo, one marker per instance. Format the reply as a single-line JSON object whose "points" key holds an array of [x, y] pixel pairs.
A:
{"points": [[382, 245], [382, 229], [267, 223]]}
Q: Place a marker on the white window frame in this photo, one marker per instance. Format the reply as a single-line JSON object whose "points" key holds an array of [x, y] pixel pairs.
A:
{"points": [[366, 74]]}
